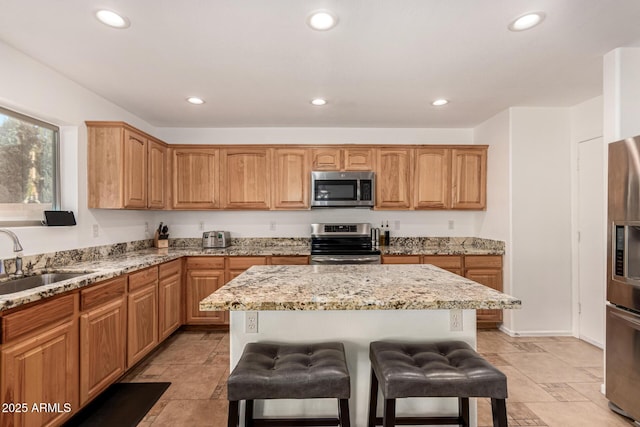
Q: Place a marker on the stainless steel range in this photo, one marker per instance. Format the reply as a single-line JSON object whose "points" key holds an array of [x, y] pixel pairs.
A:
{"points": [[343, 244]]}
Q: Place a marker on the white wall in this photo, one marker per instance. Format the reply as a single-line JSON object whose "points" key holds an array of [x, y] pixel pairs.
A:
{"points": [[31, 88], [541, 219], [495, 223], [296, 223]]}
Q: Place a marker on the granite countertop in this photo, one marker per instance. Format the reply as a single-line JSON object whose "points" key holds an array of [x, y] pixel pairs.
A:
{"points": [[353, 287]]}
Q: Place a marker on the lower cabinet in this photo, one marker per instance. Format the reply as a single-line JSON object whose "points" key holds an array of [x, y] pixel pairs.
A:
{"points": [[401, 259], [452, 263], [239, 264], [103, 332], [169, 298], [486, 269], [204, 276], [142, 314], [41, 367]]}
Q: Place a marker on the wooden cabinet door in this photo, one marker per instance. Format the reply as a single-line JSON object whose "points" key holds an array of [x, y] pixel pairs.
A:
{"points": [[401, 259], [393, 173], [170, 305], [492, 278], [195, 173], [246, 178], [452, 263], [358, 159], [103, 332], [142, 319], [432, 181], [157, 175], [135, 170], [291, 178], [200, 284], [469, 178], [41, 369], [326, 159]]}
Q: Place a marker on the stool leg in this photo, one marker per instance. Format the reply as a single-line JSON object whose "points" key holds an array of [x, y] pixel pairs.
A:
{"points": [[499, 412], [248, 413], [463, 410], [233, 414], [373, 399], [389, 415], [343, 412]]}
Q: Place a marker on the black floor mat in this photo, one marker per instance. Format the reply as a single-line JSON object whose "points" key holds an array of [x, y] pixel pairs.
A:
{"points": [[121, 405]]}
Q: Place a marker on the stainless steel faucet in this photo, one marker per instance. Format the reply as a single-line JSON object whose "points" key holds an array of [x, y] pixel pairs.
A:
{"points": [[17, 248]]}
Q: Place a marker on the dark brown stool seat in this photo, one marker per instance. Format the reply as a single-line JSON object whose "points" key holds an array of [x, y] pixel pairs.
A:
{"points": [[290, 371], [437, 369]]}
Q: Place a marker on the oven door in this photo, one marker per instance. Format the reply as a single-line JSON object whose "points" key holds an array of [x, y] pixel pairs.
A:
{"points": [[344, 259]]}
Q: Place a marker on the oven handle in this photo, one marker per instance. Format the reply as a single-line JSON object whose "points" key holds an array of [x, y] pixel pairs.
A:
{"points": [[363, 260], [635, 323]]}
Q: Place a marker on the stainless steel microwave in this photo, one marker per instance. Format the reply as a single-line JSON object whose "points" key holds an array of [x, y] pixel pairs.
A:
{"points": [[342, 189]]}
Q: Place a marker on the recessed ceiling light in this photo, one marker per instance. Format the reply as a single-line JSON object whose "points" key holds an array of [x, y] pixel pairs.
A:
{"points": [[112, 19], [322, 20], [439, 102], [195, 100], [527, 21], [318, 102]]}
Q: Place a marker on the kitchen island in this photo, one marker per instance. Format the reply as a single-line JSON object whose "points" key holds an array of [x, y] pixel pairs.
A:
{"points": [[354, 304]]}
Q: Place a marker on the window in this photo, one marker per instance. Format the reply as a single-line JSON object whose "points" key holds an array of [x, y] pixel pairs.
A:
{"points": [[29, 179]]}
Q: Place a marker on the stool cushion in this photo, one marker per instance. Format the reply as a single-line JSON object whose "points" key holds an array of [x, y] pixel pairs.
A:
{"points": [[438, 369], [290, 371]]}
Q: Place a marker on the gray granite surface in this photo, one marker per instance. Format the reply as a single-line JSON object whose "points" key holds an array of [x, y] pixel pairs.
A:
{"points": [[104, 262], [354, 287]]}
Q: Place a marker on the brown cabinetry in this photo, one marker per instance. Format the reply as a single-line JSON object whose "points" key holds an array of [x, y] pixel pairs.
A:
{"points": [[204, 276], [469, 178], [169, 298], [238, 264], [103, 331], [342, 159], [432, 178], [195, 175], [42, 366], [119, 171], [401, 259], [393, 173], [142, 318], [290, 178], [487, 270], [245, 179], [452, 263], [289, 260]]}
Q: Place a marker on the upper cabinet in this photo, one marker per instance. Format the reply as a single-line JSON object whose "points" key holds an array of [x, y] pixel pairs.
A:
{"points": [[246, 174], [195, 173], [290, 178], [342, 159], [469, 178], [432, 178], [118, 164], [393, 178]]}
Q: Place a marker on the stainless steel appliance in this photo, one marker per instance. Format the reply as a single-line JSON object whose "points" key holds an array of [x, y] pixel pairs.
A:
{"points": [[215, 239], [342, 189], [343, 244], [623, 279]]}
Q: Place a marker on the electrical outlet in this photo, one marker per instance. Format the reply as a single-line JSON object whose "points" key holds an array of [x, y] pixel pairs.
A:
{"points": [[452, 224], [201, 225], [251, 322], [146, 227], [96, 230], [396, 225], [272, 226], [455, 319]]}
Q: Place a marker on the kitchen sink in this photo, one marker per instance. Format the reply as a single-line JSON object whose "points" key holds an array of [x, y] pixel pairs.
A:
{"points": [[30, 282]]}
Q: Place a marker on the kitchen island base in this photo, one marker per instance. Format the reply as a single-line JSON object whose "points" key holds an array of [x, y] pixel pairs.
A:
{"points": [[355, 329]]}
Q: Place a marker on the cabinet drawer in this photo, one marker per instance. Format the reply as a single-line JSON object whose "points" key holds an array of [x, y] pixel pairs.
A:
{"points": [[289, 260], [205, 263], [141, 278], [170, 268], [31, 319], [483, 261], [443, 261], [401, 259], [244, 262], [102, 293]]}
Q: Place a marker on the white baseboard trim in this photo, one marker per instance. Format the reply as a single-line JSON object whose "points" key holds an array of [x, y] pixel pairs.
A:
{"points": [[593, 342], [512, 333]]}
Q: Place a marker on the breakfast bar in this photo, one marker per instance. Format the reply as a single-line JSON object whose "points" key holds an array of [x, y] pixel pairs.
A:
{"points": [[354, 304]]}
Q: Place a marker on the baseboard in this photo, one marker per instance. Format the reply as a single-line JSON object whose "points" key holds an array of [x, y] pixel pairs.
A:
{"points": [[592, 342], [514, 334]]}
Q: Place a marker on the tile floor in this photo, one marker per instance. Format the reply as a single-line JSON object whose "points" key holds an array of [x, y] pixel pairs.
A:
{"points": [[552, 381]]}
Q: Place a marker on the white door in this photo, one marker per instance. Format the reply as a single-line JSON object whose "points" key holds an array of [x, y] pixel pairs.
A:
{"points": [[592, 244]]}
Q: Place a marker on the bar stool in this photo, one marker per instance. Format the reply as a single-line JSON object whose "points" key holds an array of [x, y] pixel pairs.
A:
{"points": [[439, 369], [290, 371]]}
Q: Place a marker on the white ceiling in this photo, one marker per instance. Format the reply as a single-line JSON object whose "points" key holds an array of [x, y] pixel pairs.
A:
{"points": [[258, 64]]}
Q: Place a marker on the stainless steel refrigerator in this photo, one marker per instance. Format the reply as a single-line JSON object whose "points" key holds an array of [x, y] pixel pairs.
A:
{"points": [[623, 278]]}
